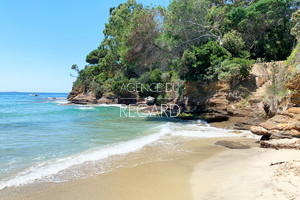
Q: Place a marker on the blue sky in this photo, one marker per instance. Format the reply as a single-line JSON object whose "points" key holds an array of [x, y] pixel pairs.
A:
{"points": [[41, 39]]}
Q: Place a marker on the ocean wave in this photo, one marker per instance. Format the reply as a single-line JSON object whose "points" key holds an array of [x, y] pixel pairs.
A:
{"points": [[84, 107], [57, 100], [111, 105], [44, 170]]}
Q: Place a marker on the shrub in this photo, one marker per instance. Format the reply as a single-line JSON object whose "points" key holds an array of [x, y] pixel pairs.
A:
{"points": [[199, 64], [234, 43], [238, 68], [277, 91]]}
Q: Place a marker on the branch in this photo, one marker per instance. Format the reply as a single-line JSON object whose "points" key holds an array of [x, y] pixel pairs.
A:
{"points": [[206, 35]]}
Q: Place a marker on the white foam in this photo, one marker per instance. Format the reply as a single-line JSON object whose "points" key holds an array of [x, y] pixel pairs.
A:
{"points": [[46, 169], [85, 107], [111, 105], [202, 130], [49, 168], [59, 100]]}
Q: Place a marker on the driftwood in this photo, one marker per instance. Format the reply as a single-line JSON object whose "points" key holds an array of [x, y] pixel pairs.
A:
{"points": [[277, 163]]}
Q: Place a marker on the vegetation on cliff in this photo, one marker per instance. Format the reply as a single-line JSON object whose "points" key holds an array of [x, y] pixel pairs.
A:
{"points": [[278, 94], [194, 40]]}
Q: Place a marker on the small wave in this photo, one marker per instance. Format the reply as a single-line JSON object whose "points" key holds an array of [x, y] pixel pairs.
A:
{"points": [[84, 107], [47, 169], [57, 100], [111, 105], [201, 129]]}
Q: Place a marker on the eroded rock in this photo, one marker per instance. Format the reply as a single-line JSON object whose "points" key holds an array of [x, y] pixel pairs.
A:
{"points": [[294, 85], [281, 126]]}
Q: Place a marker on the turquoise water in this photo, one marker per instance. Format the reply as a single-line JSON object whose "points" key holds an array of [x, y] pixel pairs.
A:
{"points": [[41, 137]]}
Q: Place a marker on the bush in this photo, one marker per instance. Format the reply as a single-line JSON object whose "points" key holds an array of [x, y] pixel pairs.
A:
{"points": [[238, 68], [277, 91], [199, 64], [234, 43]]}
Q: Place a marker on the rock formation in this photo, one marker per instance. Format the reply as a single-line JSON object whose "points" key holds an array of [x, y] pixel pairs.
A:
{"points": [[237, 106], [294, 85], [284, 125]]}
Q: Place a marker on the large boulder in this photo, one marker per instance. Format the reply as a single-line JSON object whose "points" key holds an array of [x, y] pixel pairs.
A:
{"points": [[283, 125]]}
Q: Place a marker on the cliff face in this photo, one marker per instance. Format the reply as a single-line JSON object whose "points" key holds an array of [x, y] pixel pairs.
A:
{"points": [[78, 96], [285, 125], [218, 102], [294, 85], [236, 104], [233, 104]]}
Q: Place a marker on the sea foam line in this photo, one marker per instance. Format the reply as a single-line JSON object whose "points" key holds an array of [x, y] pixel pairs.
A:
{"points": [[46, 169], [49, 168]]}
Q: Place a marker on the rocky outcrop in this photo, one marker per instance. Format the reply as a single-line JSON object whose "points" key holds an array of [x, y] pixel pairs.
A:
{"points": [[219, 102], [78, 96], [238, 105], [75, 92], [294, 85], [284, 125], [84, 99], [281, 126], [281, 144], [108, 99]]}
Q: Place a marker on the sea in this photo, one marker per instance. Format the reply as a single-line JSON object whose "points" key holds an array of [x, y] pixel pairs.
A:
{"points": [[43, 139]]}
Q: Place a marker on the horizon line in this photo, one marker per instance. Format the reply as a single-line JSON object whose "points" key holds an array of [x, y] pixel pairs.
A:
{"points": [[32, 92]]}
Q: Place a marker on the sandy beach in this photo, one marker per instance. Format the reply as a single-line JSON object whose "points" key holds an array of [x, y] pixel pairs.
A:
{"points": [[208, 171]]}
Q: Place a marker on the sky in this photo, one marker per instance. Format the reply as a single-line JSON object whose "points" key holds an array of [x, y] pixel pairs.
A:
{"points": [[41, 39]]}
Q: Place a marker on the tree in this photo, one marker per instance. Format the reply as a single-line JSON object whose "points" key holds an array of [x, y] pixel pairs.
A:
{"points": [[200, 63], [265, 27], [235, 44], [140, 49], [296, 21], [190, 22]]}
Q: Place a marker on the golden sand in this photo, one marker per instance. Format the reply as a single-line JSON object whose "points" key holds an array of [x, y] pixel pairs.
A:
{"points": [[207, 172]]}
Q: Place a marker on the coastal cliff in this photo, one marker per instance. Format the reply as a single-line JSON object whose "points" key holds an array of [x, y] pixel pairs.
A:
{"points": [[285, 124], [229, 104]]}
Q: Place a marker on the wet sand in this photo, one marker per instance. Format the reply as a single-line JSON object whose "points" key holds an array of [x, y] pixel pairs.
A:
{"points": [[207, 172]]}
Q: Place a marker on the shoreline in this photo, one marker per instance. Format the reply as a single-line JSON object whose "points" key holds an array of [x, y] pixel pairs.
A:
{"points": [[208, 171], [170, 179]]}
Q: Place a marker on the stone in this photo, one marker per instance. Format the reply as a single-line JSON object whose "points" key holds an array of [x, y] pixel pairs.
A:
{"points": [[281, 144], [259, 130], [232, 144], [282, 126], [150, 100]]}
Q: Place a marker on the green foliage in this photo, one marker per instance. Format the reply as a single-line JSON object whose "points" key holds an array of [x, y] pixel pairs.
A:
{"points": [[234, 43], [293, 62], [277, 91], [296, 21], [265, 26], [197, 40], [191, 22], [294, 58], [199, 64], [237, 68], [95, 55], [160, 100]]}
